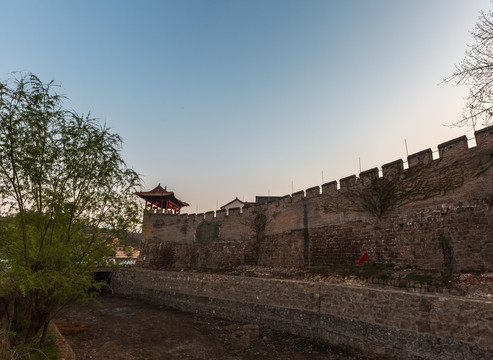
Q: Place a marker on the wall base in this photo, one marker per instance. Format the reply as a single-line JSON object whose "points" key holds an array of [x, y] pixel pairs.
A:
{"points": [[389, 323]]}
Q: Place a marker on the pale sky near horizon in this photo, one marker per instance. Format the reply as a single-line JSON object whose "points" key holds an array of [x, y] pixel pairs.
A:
{"points": [[220, 99]]}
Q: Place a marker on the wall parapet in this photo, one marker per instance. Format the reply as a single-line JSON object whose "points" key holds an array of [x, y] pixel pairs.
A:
{"points": [[298, 195], [333, 226], [392, 169], [368, 175], [453, 147], [313, 191], [329, 187], [484, 136], [424, 157], [348, 182]]}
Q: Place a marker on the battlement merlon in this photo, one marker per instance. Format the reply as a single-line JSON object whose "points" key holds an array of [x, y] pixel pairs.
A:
{"points": [[286, 199], [348, 182], [329, 187], [392, 169], [423, 157], [298, 195], [484, 136], [368, 175], [221, 214], [453, 147], [312, 192]]}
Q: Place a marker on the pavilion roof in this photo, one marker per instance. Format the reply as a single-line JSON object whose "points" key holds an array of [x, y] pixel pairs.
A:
{"points": [[158, 194]]}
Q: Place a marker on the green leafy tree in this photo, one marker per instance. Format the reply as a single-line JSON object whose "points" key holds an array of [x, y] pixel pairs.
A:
{"points": [[65, 193], [476, 71]]}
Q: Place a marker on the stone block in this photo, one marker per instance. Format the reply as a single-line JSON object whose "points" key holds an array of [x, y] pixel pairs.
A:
{"points": [[240, 340], [453, 147], [484, 137], [421, 158]]}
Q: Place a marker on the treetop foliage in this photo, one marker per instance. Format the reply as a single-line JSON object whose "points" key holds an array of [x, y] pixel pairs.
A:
{"points": [[65, 192]]}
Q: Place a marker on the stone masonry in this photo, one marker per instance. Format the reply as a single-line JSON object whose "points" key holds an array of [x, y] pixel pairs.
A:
{"points": [[437, 214], [389, 323]]}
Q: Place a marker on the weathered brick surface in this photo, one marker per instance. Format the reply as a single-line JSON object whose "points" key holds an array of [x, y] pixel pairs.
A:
{"points": [[445, 223], [393, 323], [442, 220]]}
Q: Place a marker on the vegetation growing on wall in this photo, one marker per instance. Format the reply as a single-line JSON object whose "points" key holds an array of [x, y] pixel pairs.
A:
{"points": [[447, 255], [379, 196], [258, 227]]}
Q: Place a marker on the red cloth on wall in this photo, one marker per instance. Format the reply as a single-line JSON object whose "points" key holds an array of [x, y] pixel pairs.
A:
{"points": [[363, 258]]}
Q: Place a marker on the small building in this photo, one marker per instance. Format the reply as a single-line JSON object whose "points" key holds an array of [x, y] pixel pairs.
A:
{"points": [[236, 203], [159, 198]]}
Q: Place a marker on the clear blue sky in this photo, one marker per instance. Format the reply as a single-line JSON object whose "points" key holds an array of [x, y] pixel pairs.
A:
{"points": [[220, 99]]}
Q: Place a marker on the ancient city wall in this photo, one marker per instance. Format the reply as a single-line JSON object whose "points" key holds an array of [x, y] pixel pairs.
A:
{"points": [[389, 323], [436, 214]]}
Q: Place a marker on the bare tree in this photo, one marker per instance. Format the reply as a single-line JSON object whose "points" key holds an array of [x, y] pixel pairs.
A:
{"points": [[476, 71]]}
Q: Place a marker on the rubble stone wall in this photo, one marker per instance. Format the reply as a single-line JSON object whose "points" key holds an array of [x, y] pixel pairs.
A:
{"points": [[385, 322]]}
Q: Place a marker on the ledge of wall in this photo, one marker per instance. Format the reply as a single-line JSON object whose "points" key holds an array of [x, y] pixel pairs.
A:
{"points": [[383, 322]]}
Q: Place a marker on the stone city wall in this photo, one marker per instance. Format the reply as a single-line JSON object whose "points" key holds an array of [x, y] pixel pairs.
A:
{"points": [[436, 214], [385, 322]]}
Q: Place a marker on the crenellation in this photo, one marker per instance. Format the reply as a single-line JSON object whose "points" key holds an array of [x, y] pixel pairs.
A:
{"points": [[484, 137], [312, 192], [192, 217], [392, 169], [453, 147], [368, 175], [423, 157], [248, 210], [329, 187], [298, 195], [265, 206], [348, 182], [286, 199], [305, 228], [435, 218], [221, 214]]}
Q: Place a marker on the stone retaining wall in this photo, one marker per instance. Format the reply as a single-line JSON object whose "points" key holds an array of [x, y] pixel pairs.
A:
{"points": [[386, 322]]}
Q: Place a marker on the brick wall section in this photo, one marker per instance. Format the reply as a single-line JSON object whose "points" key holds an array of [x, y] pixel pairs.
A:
{"points": [[454, 208], [393, 323]]}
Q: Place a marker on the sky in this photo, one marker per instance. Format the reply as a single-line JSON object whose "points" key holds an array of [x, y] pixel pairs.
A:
{"points": [[218, 99]]}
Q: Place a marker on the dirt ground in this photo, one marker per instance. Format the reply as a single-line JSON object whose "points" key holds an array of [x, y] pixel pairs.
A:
{"points": [[113, 328]]}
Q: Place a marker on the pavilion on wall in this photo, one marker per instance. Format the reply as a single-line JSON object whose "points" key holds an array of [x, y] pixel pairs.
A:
{"points": [[162, 200]]}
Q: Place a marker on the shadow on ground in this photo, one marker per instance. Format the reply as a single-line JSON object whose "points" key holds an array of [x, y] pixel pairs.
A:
{"points": [[112, 328]]}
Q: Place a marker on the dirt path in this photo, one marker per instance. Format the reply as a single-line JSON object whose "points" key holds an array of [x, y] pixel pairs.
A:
{"points": [[114, 328]]}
